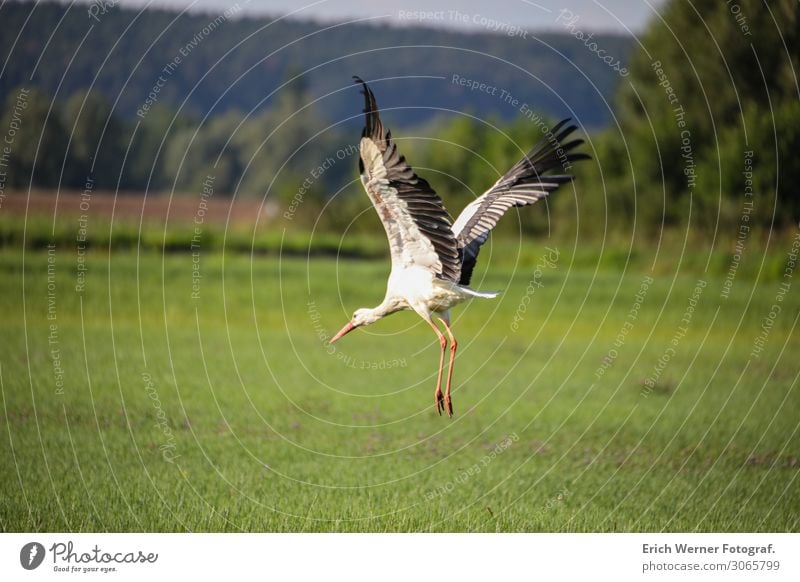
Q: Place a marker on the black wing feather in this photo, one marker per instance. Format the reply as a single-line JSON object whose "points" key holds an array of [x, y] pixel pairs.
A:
{"points": [[525, 183], [424, 205]]}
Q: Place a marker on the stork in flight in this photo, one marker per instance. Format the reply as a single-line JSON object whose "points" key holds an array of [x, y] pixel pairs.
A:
{"points": [[432, 259]]}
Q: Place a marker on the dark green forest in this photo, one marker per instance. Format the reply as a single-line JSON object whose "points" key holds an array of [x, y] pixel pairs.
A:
{"points": [[701, 130], [182, 93]]}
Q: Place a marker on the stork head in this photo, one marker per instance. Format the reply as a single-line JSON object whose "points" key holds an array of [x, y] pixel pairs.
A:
{"points": [[360, 318]]}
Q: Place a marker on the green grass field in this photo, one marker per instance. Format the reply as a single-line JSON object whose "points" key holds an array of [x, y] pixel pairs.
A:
{"points": [[131, 405]]}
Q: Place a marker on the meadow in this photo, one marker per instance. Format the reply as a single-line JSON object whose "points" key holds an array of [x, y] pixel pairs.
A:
{"points": [[151, 391]]}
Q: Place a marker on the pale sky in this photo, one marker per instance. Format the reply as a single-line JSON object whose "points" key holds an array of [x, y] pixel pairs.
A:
{"points": [[621, 16]]}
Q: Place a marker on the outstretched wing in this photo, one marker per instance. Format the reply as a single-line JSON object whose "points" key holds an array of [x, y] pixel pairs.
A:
{"points": [[523, 184], [413, 215]]}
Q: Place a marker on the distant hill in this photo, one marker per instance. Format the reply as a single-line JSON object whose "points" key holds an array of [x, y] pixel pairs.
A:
{"points": [[209, 63]]}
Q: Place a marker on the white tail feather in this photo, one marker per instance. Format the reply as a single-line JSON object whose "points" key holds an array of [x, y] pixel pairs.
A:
{"points": [[481, 294]]}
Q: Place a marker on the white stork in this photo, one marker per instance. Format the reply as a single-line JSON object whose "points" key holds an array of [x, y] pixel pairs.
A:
{"points": [[432, 260]]}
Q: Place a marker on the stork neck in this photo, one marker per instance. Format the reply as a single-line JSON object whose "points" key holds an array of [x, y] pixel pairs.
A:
{"points": [[387, 306]]}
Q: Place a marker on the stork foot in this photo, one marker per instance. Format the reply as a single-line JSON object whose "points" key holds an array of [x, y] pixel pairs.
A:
{"points": [[439, 398], [448, 405]]}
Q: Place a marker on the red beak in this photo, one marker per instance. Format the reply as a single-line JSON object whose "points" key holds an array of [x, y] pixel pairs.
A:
{"points": [[344, 331]]}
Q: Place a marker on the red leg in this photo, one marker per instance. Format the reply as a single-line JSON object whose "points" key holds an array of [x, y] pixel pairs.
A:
{"points": [[453, 346], [439, 399]]}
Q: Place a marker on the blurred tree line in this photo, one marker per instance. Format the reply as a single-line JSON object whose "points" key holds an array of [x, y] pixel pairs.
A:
{"points": [[709, 124], [242, 57], [707, 121], [67, 144], [706, 135]]}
